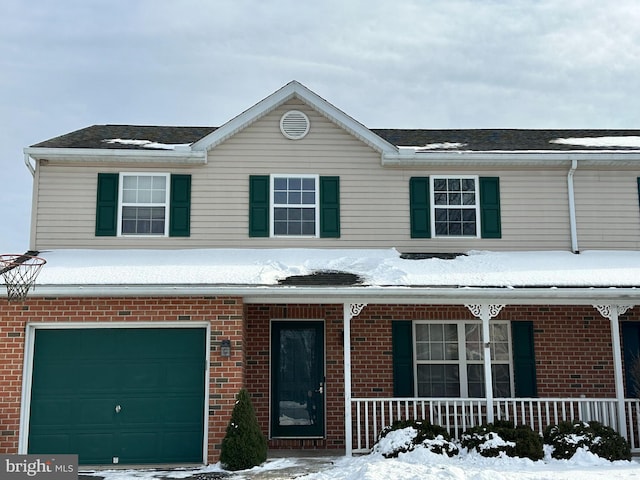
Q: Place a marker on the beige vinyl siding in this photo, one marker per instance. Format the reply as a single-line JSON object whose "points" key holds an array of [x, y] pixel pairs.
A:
{"points": [[607, 210], [374, 201]]}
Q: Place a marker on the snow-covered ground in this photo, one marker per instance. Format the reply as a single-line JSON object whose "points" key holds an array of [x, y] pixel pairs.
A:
{"points": [[418, 465]]}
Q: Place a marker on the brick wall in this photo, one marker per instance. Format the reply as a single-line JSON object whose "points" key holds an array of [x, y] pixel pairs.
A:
{"points": [[573, 351], [225, 316]]}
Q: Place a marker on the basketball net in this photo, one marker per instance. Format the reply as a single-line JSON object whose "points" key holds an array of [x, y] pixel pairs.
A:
{"points": [[19, 273]]}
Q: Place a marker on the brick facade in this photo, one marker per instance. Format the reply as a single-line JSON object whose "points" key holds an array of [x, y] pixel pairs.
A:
{"points": [[225, 316], [572, 344]]}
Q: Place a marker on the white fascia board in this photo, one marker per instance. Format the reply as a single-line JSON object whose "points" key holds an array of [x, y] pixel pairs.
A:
{"points": [[517, 157], [373, 295], [273, 101], [102, 155]]}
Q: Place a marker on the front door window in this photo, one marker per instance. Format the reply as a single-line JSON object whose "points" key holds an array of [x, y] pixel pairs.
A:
{"points": [[297, 375]]}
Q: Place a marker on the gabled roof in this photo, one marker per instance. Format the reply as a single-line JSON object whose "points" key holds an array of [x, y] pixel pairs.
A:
{"points": [[291, 90], [394, 144]]}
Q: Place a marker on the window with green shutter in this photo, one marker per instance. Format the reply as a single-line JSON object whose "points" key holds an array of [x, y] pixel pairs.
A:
{"points": [[180, 206], [330, 207], [402, 352], [490, 222], [143, 204], [454, 206], [259, 206], [294, 205], [419, 207], [107, 205], [449, 359]]}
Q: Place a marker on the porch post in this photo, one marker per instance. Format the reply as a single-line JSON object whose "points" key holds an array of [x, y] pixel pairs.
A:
{"points": [[613, 312], [486, 312], [349, 310]]}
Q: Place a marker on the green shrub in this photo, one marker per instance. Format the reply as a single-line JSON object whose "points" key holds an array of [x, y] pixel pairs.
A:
{"points": [[567, 437], [490, 440], [432, 437], [244, 446]]}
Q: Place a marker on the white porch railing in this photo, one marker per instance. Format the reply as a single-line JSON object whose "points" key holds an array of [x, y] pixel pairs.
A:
{"points": [[371, 415]]}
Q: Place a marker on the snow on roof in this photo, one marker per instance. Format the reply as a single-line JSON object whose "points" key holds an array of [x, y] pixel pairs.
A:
{"points": [[383, 267], [623, 141], [148, 144], [433, 146]]}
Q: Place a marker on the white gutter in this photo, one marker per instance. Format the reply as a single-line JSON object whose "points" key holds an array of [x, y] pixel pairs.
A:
{"points": [[371, 295], [101, 155], [517, 157], [572, 207], [27, 162]]}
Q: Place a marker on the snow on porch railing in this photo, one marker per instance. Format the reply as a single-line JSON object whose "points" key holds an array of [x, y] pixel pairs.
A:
{"points": [[372, 415]]}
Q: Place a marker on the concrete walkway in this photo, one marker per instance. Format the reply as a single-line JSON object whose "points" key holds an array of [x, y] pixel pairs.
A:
{"points": [[281, 465]]}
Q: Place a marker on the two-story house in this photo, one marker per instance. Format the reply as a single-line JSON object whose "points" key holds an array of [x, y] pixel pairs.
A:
{"points": [[345, 276]]}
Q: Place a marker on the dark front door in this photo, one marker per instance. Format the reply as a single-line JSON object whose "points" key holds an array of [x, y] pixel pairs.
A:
{"points": [[128, 395], [297, 379]]}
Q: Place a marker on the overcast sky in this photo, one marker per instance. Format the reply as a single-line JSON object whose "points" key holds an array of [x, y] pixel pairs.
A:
{"points": [[67, 64]]}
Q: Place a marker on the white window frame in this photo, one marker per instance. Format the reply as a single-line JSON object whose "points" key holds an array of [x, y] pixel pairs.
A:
{"points": [[432, 179], [462, 361], [273, 205], [165, 204]]}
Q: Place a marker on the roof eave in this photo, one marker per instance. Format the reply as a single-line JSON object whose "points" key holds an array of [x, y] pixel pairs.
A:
{"points": [[360, 294], [498, 158], [101, 155]]}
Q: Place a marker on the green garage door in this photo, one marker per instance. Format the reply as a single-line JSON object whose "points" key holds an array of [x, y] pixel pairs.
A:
{"points": [[127, 395]]}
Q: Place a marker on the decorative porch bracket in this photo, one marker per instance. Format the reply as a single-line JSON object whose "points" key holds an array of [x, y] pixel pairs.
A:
{"points": [[350, 310], [486, 312], [613, 312]]}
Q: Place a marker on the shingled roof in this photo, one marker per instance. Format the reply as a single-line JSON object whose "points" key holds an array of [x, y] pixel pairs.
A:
{"points": [[96, 136]]}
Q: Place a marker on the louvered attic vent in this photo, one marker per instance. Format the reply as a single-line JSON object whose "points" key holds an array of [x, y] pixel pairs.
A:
{"points": [[294, 125]]}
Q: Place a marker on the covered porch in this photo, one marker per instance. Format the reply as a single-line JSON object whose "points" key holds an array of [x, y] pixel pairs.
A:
{"points": [[366, 417]]}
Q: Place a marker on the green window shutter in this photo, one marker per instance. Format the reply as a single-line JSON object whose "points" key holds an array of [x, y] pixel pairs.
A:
{"points": [[402, 351], [180, 206], [631, 355], [419, 208], [259, 205], [107, 205], [639, 190], [490, 224], [524, 361], [330, 207]]}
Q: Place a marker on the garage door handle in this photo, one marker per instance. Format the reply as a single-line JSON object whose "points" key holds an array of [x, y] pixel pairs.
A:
{"points": [[118, 408]]}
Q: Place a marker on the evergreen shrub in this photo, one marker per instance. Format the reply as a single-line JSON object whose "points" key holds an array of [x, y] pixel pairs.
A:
{"points": [[490, 440], [567, 437], [244, 446], [432, 437]]}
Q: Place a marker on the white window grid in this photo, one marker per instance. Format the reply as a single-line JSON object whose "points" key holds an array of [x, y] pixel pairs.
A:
{"points": [[500, 348], [303, 203], [433, 179], [144, 197]]}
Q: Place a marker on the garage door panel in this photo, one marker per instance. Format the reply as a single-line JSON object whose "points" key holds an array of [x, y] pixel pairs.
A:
{"points": [[49, 443], [155, 376]]}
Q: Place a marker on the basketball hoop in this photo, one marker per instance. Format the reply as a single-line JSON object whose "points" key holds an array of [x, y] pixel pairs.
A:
{"points": [[19, 273]]}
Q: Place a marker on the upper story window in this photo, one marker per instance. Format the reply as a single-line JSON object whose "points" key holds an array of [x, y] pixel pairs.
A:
{"points": [[455, 206], [295, 205], [143, 204], [144, 201]]}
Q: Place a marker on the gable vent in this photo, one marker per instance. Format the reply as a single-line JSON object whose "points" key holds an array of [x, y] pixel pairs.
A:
{"points": [[294, 125]]}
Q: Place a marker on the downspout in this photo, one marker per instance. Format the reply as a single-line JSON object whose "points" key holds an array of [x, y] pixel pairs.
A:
{"points": [[27, 162], [572, 207]]}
